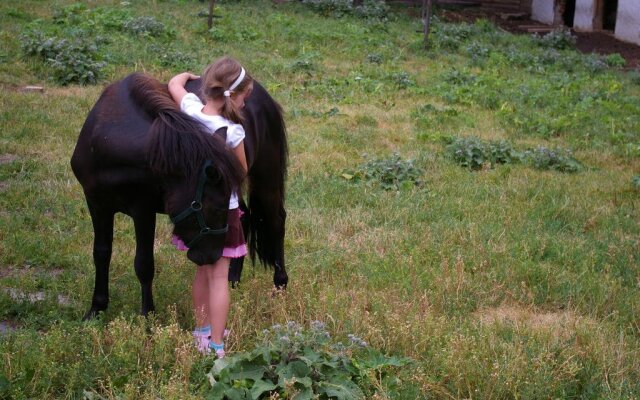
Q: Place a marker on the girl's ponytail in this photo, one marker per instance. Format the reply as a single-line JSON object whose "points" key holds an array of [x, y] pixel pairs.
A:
{"points": [[223, 78]]}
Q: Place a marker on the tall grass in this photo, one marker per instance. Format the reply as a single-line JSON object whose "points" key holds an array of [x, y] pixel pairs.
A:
{"points": [[507, 282]]}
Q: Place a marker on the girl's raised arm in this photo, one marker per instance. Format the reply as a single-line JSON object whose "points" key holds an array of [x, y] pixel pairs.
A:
{"points": [[176, 86]]}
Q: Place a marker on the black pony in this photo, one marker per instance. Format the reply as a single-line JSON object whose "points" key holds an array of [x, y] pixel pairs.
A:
{"points": [[139, 155]]}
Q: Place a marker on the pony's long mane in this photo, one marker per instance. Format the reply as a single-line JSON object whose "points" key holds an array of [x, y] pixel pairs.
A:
{"points": [[178, 145]]}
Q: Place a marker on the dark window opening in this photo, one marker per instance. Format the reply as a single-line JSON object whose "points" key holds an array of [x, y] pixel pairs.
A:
{"points": [[569, 13], [609, 13]]}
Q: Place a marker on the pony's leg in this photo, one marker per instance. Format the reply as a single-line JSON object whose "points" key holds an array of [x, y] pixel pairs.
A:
{"points": [[144, 222], [235, 268], [102, 221]]}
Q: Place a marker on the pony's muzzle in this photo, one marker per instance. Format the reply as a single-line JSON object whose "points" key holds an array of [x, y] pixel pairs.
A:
{"points": [[204, 257]]}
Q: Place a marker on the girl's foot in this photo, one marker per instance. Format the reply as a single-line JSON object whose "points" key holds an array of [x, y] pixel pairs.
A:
{"points": [[201, 338], [217, 348]]}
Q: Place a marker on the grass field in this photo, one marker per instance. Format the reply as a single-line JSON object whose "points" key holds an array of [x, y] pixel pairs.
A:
{"points": [[510, 277]]}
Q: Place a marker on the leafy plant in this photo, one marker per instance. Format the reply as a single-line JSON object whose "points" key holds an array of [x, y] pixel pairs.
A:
{"points": [[370, 9], [635, 181], [374, 58], [296, 363], [468, 152], [392, 173], [552, 159], [71, 61], [615, 60], [474, 153], [402, 80], [145, 26], [558, 39]]}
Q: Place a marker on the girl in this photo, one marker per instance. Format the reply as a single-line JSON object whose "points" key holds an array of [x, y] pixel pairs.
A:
{"points": [[225, 85]]}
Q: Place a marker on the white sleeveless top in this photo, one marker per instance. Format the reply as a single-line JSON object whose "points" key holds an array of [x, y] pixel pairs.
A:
{"points": [[192, 106]]}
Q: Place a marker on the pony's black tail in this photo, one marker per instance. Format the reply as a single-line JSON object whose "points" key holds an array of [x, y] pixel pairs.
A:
{"points": [[266, 192]]}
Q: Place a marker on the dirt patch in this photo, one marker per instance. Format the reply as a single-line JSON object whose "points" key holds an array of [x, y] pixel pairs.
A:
{"points": [[602, 42], [7, 326], [7, 158], [559, 323], [10, 271], [34, 297]]}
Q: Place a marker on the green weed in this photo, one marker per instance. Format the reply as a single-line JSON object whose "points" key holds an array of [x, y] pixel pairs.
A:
{"points": [[511, 283], [391, 173], [293, 362]]}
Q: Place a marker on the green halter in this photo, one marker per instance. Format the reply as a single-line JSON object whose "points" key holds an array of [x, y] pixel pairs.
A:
{"points": [[196, 208]]}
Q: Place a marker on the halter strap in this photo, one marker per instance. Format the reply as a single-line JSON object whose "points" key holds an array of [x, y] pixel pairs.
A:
{"points": [[196, 208]]}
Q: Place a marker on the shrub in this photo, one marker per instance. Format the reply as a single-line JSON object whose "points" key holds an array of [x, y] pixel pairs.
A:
{"points": [[374, 58], [558, 39], [552, 159], [615, 60], [145, 26], [176, 59], [594, 63], [71, 61], [468, 152], [478, 52], [292, 362], [402, 80], [474, 153], [373, 9], [370, 9], [392, 173]]}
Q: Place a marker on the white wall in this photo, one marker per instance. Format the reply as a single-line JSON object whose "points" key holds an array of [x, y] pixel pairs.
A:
{"points": [[585, 12], [628, 21], [543, 11]]}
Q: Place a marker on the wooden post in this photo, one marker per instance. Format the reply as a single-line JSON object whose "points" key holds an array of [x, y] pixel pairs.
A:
{"points": [[212, 3], [425, 13]]}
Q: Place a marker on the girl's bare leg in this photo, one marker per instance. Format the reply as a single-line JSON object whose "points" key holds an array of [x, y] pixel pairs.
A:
{"points": [[218, 280], [200, 295]]}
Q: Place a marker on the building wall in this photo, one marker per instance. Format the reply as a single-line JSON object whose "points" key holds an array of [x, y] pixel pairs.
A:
{"points": [[543, 11], [585, 13], [628, 21]]}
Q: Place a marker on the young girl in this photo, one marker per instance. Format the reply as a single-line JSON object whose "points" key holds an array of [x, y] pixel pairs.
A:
{"points": [[225, 85]]}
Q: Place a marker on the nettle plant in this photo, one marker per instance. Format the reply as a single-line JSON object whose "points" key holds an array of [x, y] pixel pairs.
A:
{"points": [[558, 39], [70, 60], [291, 362], [473, 153], [369, 9], [391, 173], [555, 159]]}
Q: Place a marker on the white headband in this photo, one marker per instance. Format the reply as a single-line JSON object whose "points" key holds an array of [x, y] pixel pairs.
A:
{"points": [[227, 93]]}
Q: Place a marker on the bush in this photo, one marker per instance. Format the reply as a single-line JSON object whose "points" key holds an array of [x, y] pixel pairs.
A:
{"points": [[292, 362], [558, 39], [402, 80], [145, 26], [615, 60], [391, 173], [370, 9], [71, 61], [552, 159], [474, 153]]}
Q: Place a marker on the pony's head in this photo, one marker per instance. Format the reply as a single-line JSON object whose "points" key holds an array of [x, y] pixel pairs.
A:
{"points": [[196, 169], [198, 208]]}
